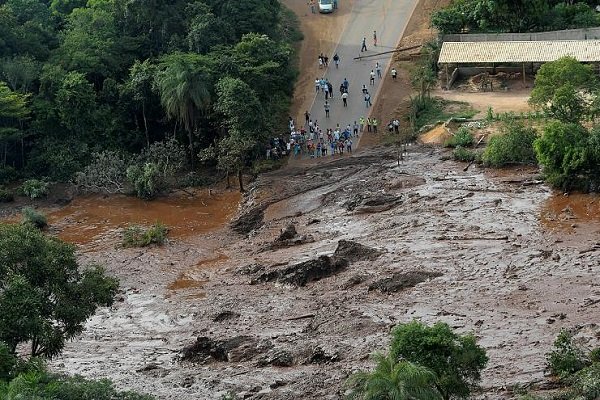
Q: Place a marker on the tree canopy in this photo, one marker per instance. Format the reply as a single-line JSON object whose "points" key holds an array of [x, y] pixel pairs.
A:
{"points": [[115, 75], [44, 297]]}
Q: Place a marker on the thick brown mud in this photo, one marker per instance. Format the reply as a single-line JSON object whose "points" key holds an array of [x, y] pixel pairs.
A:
{"points": [[573, 214], [92, 218]]}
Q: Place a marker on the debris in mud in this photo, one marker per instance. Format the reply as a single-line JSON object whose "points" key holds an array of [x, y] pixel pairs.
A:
{"points": [[304, 272], [319, 356], [277, 358], [353, 251], [249, 221], [353, 281], [205, 350], [250, 269], [372, 203], [289, 237], [225, 315], [403, 280], [153, 370]]}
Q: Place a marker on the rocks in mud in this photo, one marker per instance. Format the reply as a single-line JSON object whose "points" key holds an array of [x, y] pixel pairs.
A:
{"points": [[205, 349], [225, 316], [353, 251], [249, 221], [403, 280], [290, 237], [304, 272], [277, 358], [372, 203]]}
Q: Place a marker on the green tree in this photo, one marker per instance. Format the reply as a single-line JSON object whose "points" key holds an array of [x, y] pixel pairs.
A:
{"points": [[562, 151], [514, 146], [44, 297], [139, 87], [455, 360], [20, 72], [13, 112], [562, 88], [393, 380], [184, 83]]}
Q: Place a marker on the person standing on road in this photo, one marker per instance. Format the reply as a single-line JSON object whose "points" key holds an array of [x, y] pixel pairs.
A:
{"points": [[311, 3], [345, 99], [335, 4], [372, 78], [375, 38], [369, 124], [361, 122], [330, 87], [364, 44], [364, 89], [355, 129], [317, 84], [326, 107], [326, 90], [374, 122], [306, 117], [368, 100], [346, 85], [378, 69], [394, 74], [336, 60]]}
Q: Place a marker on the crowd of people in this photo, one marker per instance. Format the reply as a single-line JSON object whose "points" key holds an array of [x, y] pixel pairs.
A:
{"points": [[315, 141]]}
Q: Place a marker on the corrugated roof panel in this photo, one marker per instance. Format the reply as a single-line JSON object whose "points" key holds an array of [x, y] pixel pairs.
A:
{"points": [[519, 51]]}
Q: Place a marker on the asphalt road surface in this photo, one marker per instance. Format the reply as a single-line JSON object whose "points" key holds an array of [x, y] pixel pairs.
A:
{"points": [[389, 18]]}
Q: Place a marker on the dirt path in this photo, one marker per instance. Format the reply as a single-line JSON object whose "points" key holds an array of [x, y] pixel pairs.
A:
{"points": [[515, 101]]}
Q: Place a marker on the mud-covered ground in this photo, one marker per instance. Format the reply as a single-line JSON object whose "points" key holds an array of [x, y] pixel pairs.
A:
{"points": [[484, 253]]}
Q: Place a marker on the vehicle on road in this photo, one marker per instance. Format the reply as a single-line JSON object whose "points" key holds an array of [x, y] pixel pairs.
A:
{"points": [[326, 6]]}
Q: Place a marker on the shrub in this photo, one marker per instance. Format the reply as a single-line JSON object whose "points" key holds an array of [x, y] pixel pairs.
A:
{"points": [[34, 188], [466, 155], [146, 180], [515, 146], [34, 217], [463, 138], [456, 360], [6, 196], [8, 174], [566, 358], [136, 236], [586, 383], [105, 174]]}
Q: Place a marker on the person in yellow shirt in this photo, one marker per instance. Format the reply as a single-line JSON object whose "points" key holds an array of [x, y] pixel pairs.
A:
{"points": [[374, 122], [361, 122]]}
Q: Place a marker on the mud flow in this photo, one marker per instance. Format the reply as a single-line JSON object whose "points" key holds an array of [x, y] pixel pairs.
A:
{"points": [[575, 215]]}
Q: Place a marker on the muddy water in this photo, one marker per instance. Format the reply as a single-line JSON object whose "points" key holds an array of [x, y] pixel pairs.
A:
{"points": [[575, 214], [88, 219], [192, 281]]}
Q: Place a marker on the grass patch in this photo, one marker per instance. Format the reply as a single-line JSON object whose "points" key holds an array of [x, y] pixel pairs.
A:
{"points": [[34, 217], [462, 138], [137, 236], [437, 109], [462, 154]]}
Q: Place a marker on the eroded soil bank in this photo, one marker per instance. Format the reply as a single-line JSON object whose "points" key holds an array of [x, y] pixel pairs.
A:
{"points": [[271, 317]]}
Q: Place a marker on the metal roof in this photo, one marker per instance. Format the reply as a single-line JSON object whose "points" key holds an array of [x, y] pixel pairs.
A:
{"points": [[519, 51]]}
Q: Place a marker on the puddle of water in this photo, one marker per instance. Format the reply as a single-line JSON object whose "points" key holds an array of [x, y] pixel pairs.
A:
{"points": [[87, 218], [567, 214], [193, 278]]}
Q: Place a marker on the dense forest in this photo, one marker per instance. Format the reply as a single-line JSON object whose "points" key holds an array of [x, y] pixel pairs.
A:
{"points": [[113, 82], [474, 16]]}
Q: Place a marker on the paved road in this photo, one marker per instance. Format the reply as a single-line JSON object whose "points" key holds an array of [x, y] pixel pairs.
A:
{"points": [[388, 18]]}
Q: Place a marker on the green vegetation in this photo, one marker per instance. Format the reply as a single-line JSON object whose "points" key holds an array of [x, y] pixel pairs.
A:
{"points": [[37, 383], [34, 218], [566, 358], [466, 155], [34, 188], [424, 362], [100, 82], [6, 196], [136, 236], [45, 298], [455, 359], [393, 379], [463, 138], [513, 146], [578, 370], [565, 90], [514, 16]]}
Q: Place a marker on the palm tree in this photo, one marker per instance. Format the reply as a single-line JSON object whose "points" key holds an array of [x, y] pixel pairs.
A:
{"points": [[393, 380], [183, 81]]}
